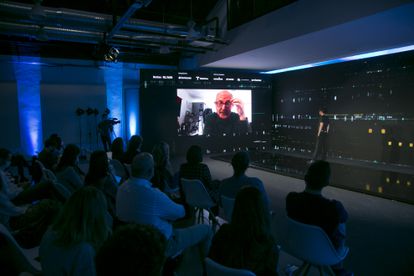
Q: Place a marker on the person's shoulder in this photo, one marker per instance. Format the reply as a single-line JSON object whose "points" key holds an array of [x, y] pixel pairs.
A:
{"points": [[212, 117], [293, 196], [255, 181], [234, 116]]}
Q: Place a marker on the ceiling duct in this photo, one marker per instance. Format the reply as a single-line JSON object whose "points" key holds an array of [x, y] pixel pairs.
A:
{"points": [[61, 24]]}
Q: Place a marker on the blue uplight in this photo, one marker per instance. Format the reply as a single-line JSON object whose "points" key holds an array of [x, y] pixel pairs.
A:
{"points": [[114, 99], [28, 74], [344, 59]]}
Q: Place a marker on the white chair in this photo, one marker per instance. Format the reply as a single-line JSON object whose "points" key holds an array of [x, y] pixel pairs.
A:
{"points": [[24, 258], [197, 196], [227, 203], [312, 245], [215, 269]]}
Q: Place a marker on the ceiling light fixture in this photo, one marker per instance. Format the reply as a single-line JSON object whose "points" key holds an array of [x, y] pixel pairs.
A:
{"points": [[111, 54]]}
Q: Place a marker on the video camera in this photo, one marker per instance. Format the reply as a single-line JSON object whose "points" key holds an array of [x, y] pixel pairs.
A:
{"points": [[114, 121]]}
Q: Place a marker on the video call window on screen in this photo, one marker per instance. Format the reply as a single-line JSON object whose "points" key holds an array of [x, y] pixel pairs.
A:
{"points": [[214, 111]]}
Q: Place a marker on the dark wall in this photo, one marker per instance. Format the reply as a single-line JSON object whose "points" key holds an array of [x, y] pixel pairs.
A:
{"points": [[363, 98]]}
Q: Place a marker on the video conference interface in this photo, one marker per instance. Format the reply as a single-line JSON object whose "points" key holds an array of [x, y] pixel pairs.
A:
{"points": [[204, 104]]}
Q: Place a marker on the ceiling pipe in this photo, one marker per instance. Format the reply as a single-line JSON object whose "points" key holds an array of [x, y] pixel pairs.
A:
{"points": [[131, 10]]}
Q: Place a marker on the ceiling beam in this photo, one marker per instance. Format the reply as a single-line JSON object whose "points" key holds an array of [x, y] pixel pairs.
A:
{"points": [[131, 10]]}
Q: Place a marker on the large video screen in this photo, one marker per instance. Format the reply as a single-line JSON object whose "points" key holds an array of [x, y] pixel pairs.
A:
{"points": [[219, 111], [214, 111]]}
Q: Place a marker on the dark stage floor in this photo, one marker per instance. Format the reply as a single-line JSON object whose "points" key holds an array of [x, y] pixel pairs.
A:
{"points": [[392, 181]]}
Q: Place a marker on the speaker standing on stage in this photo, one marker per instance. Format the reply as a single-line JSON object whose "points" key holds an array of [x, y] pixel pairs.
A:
{"points": [[321, 147]]}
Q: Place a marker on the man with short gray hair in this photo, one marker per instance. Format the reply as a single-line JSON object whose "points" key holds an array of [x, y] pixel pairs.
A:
{"points": [[138, 202]]}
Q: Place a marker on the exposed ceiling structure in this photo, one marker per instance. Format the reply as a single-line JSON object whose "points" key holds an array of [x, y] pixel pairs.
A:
{"points": [[152, 31]]}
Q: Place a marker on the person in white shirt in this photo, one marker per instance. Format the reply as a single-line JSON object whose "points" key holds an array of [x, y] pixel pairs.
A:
{"points": [[138, 202]]}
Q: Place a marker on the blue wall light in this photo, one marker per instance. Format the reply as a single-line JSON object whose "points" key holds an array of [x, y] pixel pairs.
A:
{"points": [[28, 74], [344, 59], [113, 73]]}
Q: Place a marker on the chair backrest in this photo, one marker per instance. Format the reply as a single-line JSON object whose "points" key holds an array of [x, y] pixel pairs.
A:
{"points": [[120, 170], [215, 269], [196, 194], [227, 203], [311, 244], [21, 256]]}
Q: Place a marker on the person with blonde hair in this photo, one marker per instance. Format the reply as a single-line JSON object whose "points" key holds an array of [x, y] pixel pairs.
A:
{"points": [[69, 246]]}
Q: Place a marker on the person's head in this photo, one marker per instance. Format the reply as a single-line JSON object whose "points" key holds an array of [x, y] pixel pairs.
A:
{"points": [[194, 154], [134, 143], [250, 216], [117, 148], [5, 158], [143, 166], [318, 175], [240, 162], [98, 166], [132, 250], [224, 104], [56, 141], [322, 111], [83, 219], [69, 157], [161, 154]]}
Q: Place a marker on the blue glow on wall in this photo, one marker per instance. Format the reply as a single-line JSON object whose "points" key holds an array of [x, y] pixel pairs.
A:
{"points": [[28, 74], [132, 124], [113, 73], [344, 59]]}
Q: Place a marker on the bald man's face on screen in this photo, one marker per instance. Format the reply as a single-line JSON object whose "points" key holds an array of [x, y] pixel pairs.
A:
{"points": [[224, 104]]}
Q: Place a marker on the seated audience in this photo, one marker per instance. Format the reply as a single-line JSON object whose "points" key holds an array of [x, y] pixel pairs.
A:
{"points": [[230, 186], [67, 171], [311, 207], [138, 202], [133, 148], [100, 176], [29, 221], [246, 243], [132, 250], [163, 177], [117, 149], [69, 246]]}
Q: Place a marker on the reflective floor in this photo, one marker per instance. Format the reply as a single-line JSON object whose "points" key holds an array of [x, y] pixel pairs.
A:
{"points": [[391, 181]]}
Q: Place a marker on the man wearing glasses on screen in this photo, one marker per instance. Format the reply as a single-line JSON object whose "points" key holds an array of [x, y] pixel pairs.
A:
{"points": [[224, 121]]}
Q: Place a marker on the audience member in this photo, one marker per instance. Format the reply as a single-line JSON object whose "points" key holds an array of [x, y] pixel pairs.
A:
{"points": [[133, 148], [246, 243], [311, 207], [100, 176], [138, 202], [230, 186], [163, 177], [49, 156], [69, 246], [195, 169], [67, 171], [132, 250], [117, 149]]}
